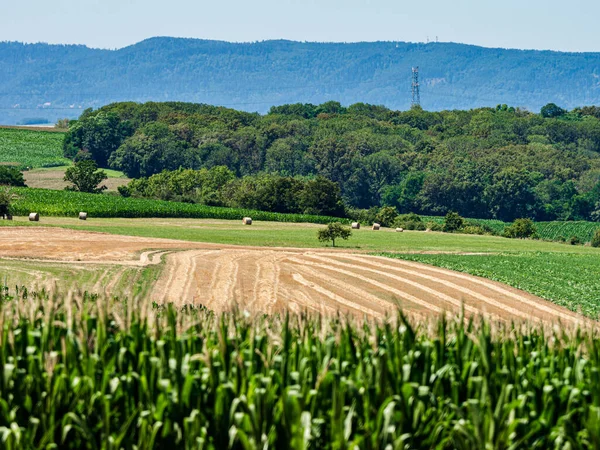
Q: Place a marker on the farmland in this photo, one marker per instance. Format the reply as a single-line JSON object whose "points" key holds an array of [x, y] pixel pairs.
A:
{"points": [[570, 280], [251, 273], [34, 149], [62, 203], [65, 204], [53, 178], [151, 377]]}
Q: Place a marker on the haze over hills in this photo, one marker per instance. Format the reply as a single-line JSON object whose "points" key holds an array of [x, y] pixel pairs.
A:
{"points": [[54, 81]]}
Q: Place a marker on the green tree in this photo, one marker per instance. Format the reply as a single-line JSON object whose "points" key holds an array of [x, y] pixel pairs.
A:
{"points": [[85, 177], [10, 176], [511, 194], [552, 110], [99, 133], [334, 231], [322, 197]]}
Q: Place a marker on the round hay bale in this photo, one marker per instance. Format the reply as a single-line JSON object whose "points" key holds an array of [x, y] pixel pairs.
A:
{"points": [[376, 226], [82, 216], [34, 217], [355, 226], [399, 230], [247, 221]]}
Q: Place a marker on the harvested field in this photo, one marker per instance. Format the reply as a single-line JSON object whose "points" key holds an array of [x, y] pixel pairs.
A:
{"points": [[269, 280]]}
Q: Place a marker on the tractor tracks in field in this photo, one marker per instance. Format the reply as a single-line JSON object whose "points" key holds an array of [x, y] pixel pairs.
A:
{"points": [[269, 280]]}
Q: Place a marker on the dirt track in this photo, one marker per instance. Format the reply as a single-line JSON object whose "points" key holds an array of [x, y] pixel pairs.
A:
{"points": [[269, 280]]}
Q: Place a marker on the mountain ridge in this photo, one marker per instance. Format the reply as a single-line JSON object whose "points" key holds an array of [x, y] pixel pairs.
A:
{"points": [[52, 81]]}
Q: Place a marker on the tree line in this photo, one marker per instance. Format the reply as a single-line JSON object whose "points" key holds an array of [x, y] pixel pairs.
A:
{"points": [[502, 162]]}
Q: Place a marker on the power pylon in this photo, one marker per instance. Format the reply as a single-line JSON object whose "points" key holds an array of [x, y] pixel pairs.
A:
{"points": [[416, 94]]}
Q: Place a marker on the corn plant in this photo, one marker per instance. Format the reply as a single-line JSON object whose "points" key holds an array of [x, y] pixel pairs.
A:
{"points": [[78, 372]]}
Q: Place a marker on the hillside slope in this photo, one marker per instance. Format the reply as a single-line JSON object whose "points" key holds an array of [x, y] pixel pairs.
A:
{"points": [[51, 81]]}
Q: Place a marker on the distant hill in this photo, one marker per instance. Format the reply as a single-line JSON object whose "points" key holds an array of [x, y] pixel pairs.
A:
{"points": [[52, 81]]}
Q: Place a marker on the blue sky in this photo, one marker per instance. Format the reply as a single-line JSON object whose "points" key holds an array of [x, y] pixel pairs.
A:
{"points": [[538, 24]]}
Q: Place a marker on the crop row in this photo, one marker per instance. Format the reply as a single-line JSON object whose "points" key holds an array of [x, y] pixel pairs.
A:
{"points": [[554, 231], [550, 231], [32, 149], [95, 374], [64, 203]]}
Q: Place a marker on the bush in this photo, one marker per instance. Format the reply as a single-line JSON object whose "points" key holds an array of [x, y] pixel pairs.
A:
{"points": [[520, 229], [387, 216], [364, 216], [473, 229], [453, 222], [596, 239], [574, 240], [434, 226], [410, 221]]}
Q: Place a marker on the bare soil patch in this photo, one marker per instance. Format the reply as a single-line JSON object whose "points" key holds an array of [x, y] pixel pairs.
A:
{"points": [[54, 179]]}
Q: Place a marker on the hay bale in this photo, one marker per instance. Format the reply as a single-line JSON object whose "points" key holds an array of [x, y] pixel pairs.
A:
{"points": [[247, 221], [355, 226], [34, 217], [376, 226], [82, 216], [399, 230]]}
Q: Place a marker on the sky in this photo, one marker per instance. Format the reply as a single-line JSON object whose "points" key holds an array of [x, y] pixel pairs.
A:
{"points": [[528, 24]]}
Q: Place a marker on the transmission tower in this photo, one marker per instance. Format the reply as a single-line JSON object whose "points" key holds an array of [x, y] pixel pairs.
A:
{"points": [[416, 95]]}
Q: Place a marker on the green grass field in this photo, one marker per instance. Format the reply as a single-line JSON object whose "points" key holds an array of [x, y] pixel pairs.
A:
{"points": [[567, 279], [34, 149], [302, 235]]}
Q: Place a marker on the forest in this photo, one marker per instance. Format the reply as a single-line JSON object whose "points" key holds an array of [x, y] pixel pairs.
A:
{"points": [[502, 163]]}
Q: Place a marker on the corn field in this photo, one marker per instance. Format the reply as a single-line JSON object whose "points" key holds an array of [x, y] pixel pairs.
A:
{"points": [[68, 204], [82, 373]]}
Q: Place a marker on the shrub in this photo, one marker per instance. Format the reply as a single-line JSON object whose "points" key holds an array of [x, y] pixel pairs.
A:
{"points": [[473, 229], [434, 226], [124, 191], [364, 215], [596, 239], [387, 216], [410, 221], [334, 230], [453, 222], [574, 240], [520, 229]]}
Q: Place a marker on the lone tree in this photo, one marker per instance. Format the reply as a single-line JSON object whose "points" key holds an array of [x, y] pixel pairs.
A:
{"points": [[85, 177], [334, 231]]}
